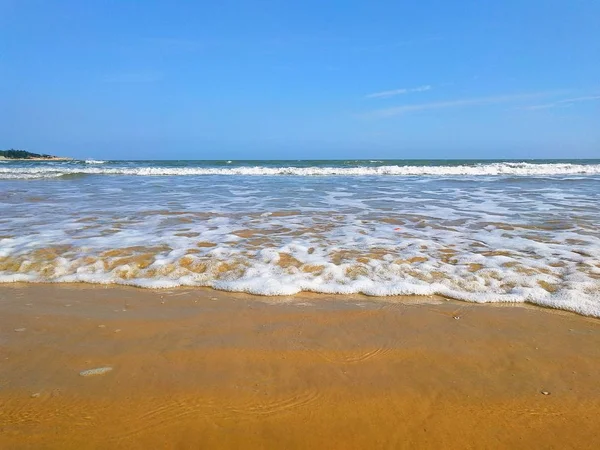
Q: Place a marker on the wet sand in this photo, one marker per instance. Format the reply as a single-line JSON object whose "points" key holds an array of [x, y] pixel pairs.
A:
{"points": [[197, 368]]}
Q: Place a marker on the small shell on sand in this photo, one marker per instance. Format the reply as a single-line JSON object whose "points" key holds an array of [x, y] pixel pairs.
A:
{"points": [[19, 330], [96, 371], [545, 393]]}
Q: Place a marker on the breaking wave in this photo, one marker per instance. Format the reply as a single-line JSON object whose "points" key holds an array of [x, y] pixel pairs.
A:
{"points": [[518, 169]]}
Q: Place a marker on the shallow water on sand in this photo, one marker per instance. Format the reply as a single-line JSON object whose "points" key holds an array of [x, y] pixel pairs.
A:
{"points": [[475, 231]]}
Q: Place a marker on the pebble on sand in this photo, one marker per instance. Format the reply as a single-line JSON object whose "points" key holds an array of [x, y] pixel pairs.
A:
{"points": [[19, 330], [96, 371], [545, 393]]}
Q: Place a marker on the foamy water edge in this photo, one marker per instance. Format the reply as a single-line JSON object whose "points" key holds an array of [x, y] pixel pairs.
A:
{"points": [[481, 232]]}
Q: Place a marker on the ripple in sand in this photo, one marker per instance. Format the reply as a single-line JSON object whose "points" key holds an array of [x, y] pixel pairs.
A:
{"points": [[176, 410]]}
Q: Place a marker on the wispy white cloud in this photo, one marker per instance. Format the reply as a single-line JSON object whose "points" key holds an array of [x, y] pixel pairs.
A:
{"points": [[394, 92], [468, 102], [561, 103], [134, 77]]}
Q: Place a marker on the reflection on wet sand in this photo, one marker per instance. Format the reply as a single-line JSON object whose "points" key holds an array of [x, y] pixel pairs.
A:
{"points": [[189, 368]]}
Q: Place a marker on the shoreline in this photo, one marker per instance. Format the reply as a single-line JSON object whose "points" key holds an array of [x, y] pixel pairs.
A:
{"points": [[291, 298], [197, 367]]}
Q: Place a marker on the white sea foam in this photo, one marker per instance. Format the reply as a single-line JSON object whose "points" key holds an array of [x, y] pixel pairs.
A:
{"points": [[94, 161], [517, 169], [514, 239]]}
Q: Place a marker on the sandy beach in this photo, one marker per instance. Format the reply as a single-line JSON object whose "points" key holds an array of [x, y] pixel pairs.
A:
{"points": [[300, 225], [198, 368]]}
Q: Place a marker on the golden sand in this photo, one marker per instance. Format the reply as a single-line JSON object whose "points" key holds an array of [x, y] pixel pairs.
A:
{"points": [[196, 368]]}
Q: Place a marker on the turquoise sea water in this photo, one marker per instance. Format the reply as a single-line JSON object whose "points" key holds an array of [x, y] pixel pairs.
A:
{"points": [[483, 231]]}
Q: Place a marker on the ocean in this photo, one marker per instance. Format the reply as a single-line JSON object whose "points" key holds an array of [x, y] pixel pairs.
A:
{"points": [[478, 231]]}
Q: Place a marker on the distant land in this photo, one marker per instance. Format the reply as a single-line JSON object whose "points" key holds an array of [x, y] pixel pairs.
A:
{"points": [[24, 155]]}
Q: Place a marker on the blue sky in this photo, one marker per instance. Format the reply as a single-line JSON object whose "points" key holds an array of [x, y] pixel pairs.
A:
{"points": [[306, 79]]}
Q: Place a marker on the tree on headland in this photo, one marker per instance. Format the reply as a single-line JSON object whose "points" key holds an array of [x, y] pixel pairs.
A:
{"points": [[21, 154]]}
